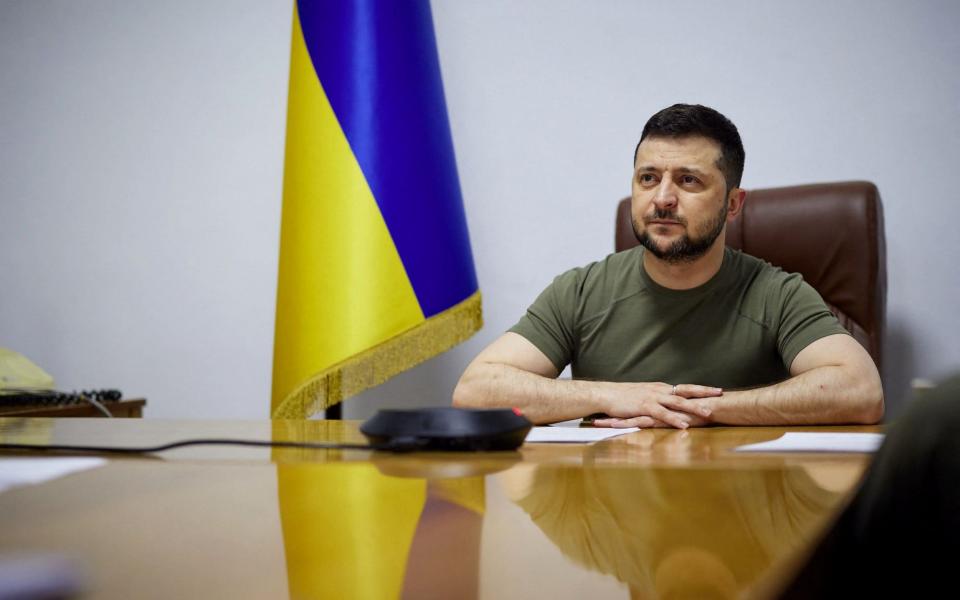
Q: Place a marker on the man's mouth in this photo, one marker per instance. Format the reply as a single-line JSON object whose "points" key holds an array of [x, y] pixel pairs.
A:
{"points": [[662, 217]]}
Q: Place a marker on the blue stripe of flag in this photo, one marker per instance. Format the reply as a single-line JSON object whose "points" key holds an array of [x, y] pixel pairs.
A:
{"points": [[377, 62]]}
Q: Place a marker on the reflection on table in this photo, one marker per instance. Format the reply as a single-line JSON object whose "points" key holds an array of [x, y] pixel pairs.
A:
{"points": [[690, 533], [650, 514]]}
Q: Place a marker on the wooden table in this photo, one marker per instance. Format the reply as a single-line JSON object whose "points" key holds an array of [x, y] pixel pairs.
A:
{"points": [[650, 514]]}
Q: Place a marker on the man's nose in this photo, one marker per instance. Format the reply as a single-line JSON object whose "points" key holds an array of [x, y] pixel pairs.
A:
{"points": [[666, 196]]}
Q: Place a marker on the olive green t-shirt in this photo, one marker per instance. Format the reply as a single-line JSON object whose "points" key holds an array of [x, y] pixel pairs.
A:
{"points": [[610, 321]]}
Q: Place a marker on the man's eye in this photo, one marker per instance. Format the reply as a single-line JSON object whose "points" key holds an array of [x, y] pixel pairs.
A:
{"points": [[647, 178], [689, 180]]}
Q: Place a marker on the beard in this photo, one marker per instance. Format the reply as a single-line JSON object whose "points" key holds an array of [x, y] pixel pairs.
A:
{"points": [[685, 249]]}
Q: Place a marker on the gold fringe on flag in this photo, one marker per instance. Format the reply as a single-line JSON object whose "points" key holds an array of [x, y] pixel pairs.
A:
{"points": [[378, 364]]}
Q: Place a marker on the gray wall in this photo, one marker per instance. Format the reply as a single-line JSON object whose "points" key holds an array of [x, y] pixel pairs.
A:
{"points": [[141, 157]]}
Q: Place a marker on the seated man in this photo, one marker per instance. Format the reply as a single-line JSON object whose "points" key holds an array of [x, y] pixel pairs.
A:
{"points": [[680, 331]]}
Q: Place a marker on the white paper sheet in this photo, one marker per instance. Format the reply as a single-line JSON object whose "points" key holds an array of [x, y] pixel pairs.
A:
{"points": [[574, 435], [25, 471], [798, 441]]}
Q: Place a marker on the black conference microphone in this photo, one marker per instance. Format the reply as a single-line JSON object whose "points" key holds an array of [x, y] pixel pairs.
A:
{"points": [[448, 428]]}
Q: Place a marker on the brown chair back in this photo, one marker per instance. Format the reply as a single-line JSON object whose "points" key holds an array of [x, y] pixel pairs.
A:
{"points": [[831, 233]]}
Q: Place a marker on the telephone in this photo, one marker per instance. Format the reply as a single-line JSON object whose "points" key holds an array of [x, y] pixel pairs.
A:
{"points": [[24, 383]]}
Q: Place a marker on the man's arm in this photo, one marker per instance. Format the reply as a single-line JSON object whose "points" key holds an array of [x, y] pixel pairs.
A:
{"points": [[512, 372], [833, 380]]}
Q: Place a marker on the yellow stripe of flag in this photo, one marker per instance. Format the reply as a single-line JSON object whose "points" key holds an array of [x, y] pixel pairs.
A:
{"points": [[333, 239]]}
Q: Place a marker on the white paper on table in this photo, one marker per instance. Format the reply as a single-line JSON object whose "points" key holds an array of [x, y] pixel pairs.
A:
{"points": [[575, 435], [26, 471], [802, 441]]}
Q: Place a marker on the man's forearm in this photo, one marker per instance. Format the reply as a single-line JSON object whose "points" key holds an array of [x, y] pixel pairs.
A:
{"points": [[825, 395], [541, 399], [546, 400]]}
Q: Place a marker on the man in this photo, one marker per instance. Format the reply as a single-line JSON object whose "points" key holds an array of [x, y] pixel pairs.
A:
{"points": [[679, 331]]}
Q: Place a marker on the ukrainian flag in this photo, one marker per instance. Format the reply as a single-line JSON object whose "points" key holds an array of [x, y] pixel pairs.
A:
{"points": [[376, 273]]}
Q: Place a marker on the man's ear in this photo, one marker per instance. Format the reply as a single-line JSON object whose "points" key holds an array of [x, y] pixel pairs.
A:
{"points": [[735, 201]]}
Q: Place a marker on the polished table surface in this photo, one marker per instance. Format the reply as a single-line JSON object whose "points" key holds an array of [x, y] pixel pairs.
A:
{"points": [[656, 513]]}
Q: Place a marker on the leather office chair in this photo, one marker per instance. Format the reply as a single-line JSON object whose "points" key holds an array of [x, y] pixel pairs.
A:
{"points": [[831, 233]]}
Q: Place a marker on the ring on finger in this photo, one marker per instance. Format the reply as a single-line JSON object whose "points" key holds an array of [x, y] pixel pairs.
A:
{"points": [[673, 392]]}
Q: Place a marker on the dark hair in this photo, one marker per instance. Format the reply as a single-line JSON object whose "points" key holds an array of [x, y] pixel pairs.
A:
{"points": [[683, 120]]}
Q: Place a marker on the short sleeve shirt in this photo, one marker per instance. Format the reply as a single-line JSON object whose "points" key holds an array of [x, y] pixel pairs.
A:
{"points": [[744, 327]]}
